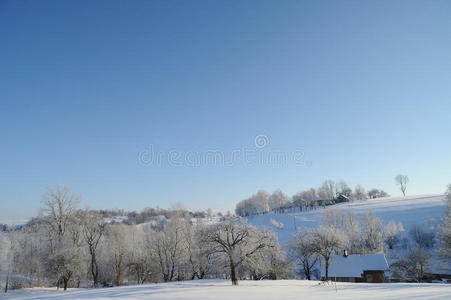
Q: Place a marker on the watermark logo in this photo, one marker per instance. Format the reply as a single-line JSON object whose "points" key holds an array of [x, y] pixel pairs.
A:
{"points": [[258, 154], [261, 141]]}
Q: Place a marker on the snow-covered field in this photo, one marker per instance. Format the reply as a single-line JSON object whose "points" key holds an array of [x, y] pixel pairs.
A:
{"points": [[424, 210], [249, 290]]}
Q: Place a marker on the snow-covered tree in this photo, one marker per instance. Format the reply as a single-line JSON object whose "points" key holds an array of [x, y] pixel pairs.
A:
{"points": [[359, 193], [326, 240], [375, 193], [93, 230], [236, 241], [422, 237], [5, 259], [116, 250], [402, 181], [327, 190], [167, 248], [413, 266], [391, 233], [444, 249], [200, 255], [302, 250], [372, 234], [344, 189], [277, 199]]}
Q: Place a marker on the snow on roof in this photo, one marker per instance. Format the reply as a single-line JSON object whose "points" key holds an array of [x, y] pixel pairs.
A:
{"points": [[353, 265]]}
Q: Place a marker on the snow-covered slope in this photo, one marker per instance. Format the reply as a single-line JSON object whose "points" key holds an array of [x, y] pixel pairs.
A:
{"points": [[249, 290], [425, 210]]}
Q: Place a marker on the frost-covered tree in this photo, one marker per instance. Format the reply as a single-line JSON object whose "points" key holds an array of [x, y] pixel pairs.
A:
{"points": [[62, 261], [5, 259], [167, 248], [444, 232], [359, 193], [372, 234], [65, 264], [391, 233], [200, 255], [59, 205], [344, 189], [277, 199], [256, 204], [326, 240], [302, 250], [402, 181], [267, 262], [413, 266], [236, 241], [375, 193], [422, 237], [93, 230], [116, 250], [327, 190]]}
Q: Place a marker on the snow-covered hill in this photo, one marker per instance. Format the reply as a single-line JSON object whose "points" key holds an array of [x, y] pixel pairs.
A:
{"points": [[424, 210], [249, 290]]}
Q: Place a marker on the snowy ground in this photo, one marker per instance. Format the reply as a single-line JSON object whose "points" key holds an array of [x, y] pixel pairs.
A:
{"points": [[249, 290]]}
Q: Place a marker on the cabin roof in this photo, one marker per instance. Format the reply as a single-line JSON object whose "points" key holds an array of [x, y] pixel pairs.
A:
{"points": [[355, 264]]}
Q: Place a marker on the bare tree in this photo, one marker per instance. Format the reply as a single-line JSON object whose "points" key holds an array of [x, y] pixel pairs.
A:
{"points": [[116, 248], [302, 250], [414, 266], [200, 255], [60, 205], [423, 238], [402, 181], [167, 247], [359, 193], [237, 241], [93, 230]]}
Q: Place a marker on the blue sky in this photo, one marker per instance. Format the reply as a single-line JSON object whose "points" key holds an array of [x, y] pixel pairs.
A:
{"points": [[362, 88]]}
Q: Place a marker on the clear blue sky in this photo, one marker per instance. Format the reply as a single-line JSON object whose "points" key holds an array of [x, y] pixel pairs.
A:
{"points": [[363, 88]]}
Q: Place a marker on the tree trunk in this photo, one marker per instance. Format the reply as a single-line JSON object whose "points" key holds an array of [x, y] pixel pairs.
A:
{"points": [[327, 269], [6, 283], [118, 277], [233, 274], [65, 281], [94, 268]]}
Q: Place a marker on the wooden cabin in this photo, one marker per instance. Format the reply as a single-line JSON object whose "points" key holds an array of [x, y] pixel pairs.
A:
{"points": [[358, 268]]}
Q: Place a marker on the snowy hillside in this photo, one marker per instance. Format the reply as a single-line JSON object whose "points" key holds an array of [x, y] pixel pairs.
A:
{"points": [[424, 210], [249, 290]]}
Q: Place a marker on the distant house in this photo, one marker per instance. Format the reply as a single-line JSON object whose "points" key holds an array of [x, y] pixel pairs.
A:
{"points": [[358, 268]]}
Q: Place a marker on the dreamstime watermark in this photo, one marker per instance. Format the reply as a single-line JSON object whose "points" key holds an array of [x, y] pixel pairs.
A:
{"points": [[258, 154]]}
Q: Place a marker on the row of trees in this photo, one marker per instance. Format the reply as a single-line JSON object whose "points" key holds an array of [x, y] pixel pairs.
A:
{"points": [[328, 193], [72, 247], [69, 247]]}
